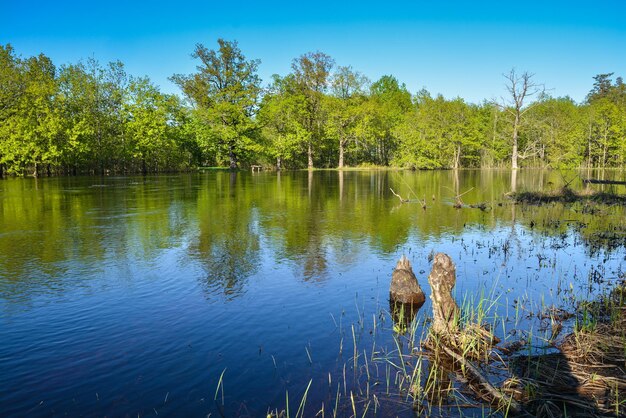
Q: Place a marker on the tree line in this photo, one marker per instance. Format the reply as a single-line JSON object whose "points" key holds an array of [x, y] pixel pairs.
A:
{"points": [[89, 118]]}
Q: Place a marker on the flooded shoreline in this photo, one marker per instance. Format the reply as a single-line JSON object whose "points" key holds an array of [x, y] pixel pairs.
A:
{"points": [[213, 293]]}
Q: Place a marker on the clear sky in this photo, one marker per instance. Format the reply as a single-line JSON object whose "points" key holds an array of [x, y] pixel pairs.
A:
{"points": [[456, 48]]}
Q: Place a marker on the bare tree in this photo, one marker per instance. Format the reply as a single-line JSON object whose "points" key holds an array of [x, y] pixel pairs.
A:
{"points": [[520, 88]]}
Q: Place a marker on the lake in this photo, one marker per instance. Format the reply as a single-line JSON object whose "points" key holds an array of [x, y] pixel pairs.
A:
{"points": [[233, 294]]}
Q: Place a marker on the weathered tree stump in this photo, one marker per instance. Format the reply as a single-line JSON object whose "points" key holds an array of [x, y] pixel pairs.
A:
{"points": [[461, 344], [442, 279], [404, 287]]}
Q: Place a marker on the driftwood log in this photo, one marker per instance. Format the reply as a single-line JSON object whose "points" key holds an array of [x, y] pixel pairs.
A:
{"points": [[404, 287]]}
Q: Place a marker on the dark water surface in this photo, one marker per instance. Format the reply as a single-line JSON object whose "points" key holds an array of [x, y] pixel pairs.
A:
{"points": [[132, 296]]}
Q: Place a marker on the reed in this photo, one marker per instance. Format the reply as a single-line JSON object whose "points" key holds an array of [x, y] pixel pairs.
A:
{"points": [[220, 385]]}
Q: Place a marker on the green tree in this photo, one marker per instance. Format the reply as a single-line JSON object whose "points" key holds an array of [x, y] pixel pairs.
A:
{"points": [[150, 126], [345, 108], [281, 114], [77, 90], [93, 99], [463, 129], [495, 151], [312, 75], [224, 93], [11, 92], [390, 103], [32, 136], [441, 134], [605, 132], [555, 132], [602, 87], [418, 145]]}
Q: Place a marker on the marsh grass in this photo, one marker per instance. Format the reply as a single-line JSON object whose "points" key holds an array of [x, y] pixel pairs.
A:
{"points": [[534, 372], [582, 374], [586, 374], [568, 195]]}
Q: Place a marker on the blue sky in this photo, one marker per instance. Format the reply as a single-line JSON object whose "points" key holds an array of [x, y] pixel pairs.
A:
{"points": [[456, 48]]}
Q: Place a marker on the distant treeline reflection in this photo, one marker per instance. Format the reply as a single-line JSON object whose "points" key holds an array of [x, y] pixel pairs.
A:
{"points": [[230, 223]]}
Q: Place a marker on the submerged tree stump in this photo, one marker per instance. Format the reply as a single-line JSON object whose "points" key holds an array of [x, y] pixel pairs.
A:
{"points": [[404, 287], [442, 279]]}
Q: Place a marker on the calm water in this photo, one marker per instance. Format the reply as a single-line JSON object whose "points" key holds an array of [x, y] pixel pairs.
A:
{"points": [[132, 296]]}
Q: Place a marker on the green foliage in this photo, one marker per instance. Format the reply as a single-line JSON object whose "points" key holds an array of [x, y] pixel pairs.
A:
{"points": [[151, 127], [311, 73], [604, 88], [86, 118], [224, 93], [281, 115], [606, 129], [555, 125], [346, 111], [390, 102], [441, 133], [91, 118], [31, 130]]}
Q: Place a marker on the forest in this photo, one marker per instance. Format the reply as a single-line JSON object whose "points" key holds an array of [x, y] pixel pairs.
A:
{"points": [[90, 118]]}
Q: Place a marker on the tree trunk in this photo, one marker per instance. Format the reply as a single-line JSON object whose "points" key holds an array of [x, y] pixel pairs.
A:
{"points": [[48, 173], [144, 169], [605, 146], [383, 154], [279, 163], [589, 161], [514, 153], [310, 154], [341, 147], [494, 138], [442, 279], [457, 157], [233, 158], [35, 173]]}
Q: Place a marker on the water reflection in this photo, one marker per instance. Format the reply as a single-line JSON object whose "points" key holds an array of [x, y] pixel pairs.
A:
{"points": [[230, 224], [165, 282], [227, 242], [229, 262]]}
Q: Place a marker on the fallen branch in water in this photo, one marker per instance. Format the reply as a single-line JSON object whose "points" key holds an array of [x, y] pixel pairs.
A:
{"points": [[458, 203], [398, 196], [496, 396], [402, 200]]}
